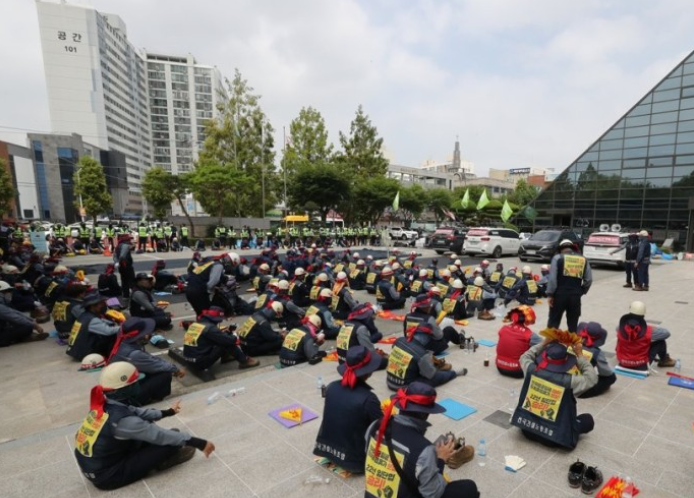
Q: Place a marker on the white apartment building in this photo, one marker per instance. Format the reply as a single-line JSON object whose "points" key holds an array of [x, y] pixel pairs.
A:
{"points": [[183, 95]]}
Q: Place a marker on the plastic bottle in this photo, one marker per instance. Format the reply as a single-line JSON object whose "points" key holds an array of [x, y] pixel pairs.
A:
{"points": [[236, 392], [678, 366], [482, 453], [317, 480], [319, 383], [499, 311], [628, 490], [214, 397]]}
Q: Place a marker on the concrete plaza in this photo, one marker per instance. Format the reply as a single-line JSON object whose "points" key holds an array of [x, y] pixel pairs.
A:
{"points": [[643, 427]]}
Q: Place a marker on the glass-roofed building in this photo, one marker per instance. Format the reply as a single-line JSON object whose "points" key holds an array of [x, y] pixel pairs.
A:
{"points": [[639, 173]]}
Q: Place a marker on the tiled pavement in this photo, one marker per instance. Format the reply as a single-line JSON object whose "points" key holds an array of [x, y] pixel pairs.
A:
{"points": [[643, 427]]}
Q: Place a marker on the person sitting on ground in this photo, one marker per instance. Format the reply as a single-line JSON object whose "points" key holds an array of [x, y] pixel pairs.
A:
{"points": [[16, 327], [420, 312], [496, 276], [322, 308], [357, 276], [387, 295], [302, 344], [298, 290], [401, 439], [256, 334], [594, 336], [525, 290], [546, 368], [92, 332], [350, 408], [373, 275], [320, 282], [481, 298], [455, 304], [360, 329], [68, 308], [130, 446], [515, 339], [130, 347], [293, 314], [204, 342], [262, 278], [410, 360], [142, 302], [506, 286], [342, 302], [639, 344], [421, 284], [108, 282], [544, 280], [95, 246]]}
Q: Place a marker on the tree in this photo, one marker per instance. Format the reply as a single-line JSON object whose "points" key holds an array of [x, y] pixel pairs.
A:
{"points": [[240, 140], [156, 189], [361, 154], [412, 202], [371, 196], [7, 191], [439, 199], [523, 193], [319, 187], [215, 186], [180, 187], [90, 184], [308, 141]]}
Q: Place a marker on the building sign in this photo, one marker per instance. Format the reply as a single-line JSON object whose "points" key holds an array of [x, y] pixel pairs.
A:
{"points": [[71, 38], [519, 171]]}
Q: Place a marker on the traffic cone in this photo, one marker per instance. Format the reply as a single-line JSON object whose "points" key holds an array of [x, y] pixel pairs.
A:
{"points": [[107, 251]]}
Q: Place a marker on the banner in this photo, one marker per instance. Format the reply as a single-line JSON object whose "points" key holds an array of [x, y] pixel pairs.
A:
{"points": [[483, 200], [543, 398], [396, 201]]}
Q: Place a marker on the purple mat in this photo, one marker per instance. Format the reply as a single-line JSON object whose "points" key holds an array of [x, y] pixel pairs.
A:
{"points": [[306, 415]]}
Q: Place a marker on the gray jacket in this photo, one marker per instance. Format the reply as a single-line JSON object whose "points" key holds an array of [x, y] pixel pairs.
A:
{"points": [[139, 427], [142, 360], [11, 315], [579, 383]]}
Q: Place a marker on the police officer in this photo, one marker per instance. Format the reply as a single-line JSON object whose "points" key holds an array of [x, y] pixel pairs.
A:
{"points": [[184, 236], [220, 233], [386, 293], [258, 338], [130, 347], [203, 279], [643, 261], [142, 302], [118, 444], [205, 343], [350, 408], [92, 332], [360, 329], [85, 234], [168, 232], [569, 278], [515, 338], [111, 237], [142, 233], [397, 447], [302, 343], [547, 365]]}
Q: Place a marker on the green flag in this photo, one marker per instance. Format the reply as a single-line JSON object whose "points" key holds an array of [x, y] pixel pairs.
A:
{"points": [[483, 200], [506, 211], [529, 212], [396, 201], [466, 199]]}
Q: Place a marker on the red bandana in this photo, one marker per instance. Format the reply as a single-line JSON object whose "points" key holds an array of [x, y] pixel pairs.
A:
{"points": [[349, 378], [401, 398]]}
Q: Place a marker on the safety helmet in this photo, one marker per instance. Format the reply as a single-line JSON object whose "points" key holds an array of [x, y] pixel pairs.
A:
{"points": [[326, 293], [435, 290], [299, 271], [277, 307], [323, 277], [395, 266], [638, 308], [315, 321], [264, 267], [341, 276], [283, 285], [423, 273], [92, 361], [4, 286], [457, 262], [369, 257], [118, 375], [60, 269], [478, 270], [356, 255], [361, 262], [387, 270], [544, 268], [445, 272], [565, 243], [527, 270], [233, 257], [457, 284], [484, 263], [413, 253], [479, 281]]}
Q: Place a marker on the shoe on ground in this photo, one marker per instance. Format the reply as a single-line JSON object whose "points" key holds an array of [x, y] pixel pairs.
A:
{"points": [[41, 336], [666, 362], [227, 359], [445, 367], [461, 372], [485, 315], [462, 455], [181, 456], [638, 288], [644, 288], [249, 363], [628, 286], [576, 471], [592, 480]]}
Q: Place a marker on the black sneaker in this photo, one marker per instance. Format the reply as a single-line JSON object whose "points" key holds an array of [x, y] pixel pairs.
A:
{"points": [[592, 480], [576, 472]]}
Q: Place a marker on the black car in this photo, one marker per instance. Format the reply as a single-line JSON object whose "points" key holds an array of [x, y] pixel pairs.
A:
{"points": [[444, 237], [542, 245]]}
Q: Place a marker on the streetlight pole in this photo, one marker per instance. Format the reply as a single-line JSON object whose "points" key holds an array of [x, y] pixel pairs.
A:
{"points": [[262, 163], [284, 154]]}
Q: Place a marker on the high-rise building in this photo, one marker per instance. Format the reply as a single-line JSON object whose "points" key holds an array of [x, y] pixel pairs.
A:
{"points": [[183, 95], [639, 173], [96, 82]]}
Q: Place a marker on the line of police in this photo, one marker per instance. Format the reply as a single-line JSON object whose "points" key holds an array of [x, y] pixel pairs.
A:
{"points": [[296, 236]]}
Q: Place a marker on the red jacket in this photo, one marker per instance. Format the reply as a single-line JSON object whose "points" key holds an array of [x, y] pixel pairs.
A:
{"points": [[514, 340], [632, 350]]}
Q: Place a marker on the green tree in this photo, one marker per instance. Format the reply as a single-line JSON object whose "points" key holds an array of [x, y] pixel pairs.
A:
{"points": [[439, 199], [7, 191], [240, 140], [523, 193], [215, 187], [308, 141], [376, 194], [413, 200], [361, 154], [90, 183], [180, 187], [320, 187], [156, 189]]}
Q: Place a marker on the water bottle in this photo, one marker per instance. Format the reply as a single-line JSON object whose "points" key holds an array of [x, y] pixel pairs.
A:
{"points": [[482, 453], [317, 480], [470, 345], [628, 490], [319, 383], [236, 392], [499, 311], [214, 397], [678, 366]]}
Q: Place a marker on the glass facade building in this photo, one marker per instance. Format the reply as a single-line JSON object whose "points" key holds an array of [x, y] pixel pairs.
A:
{"points": [[639, 173]]}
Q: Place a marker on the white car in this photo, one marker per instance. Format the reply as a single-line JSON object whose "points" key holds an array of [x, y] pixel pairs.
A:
{"points": [[399, 233], [492, 241], [606, 247]]}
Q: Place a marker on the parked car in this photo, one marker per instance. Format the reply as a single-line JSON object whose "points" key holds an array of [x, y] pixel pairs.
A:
{"points": [[492, 241], [443, 237], [542, 246], [400, 233], [603, 247], [458, 241]]}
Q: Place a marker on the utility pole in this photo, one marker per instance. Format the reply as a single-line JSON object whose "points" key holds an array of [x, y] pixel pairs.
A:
{"points": [[284, 155], [262, 163]]}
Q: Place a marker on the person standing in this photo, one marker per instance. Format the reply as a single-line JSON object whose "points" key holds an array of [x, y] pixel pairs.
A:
{"points": [[123, 258], [569, 279], [184, 236], [631, 246], [643, 261]]}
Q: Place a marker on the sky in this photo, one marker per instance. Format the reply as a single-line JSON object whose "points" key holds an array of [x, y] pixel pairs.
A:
{"points": [[520, 82]]}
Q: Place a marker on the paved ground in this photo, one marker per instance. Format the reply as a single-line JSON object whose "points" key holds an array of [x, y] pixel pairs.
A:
{"points": [[643, 427]]}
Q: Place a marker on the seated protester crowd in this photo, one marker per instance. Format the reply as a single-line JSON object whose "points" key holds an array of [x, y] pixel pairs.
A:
{"points": [[302, 343], [593, 336], [515, 339], [108, 282], [640, 344], [421, 312], [256, 334], [388, 295], [92, 332], [342, 302], [142, 302], [16, 327], [360, 329], [68, 307], [481, 298], [322, 308]]}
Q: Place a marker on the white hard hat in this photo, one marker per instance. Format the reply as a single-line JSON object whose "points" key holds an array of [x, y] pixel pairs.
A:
{"points": [[299, 271], [413, 253], [387, 270], [355, 255], [118, 375], [60, 269], [453, 256], [315, 321], [361, 262], [423, 273], [369, 257], [643, 233], [457, 262], [485, 262], [396, 266], [478, 270], [4, 286], [313, 246], [566, 243], [283, 285], [326, 293], [234, 257], [264, 267], [544, 268], [329, 265], [526, 269], [10, 269], [479, 281], [435, 290], [92, 361], [638, 308], [342, 276], [277, 307], [457, 284], [445, 272], [323, 277]]}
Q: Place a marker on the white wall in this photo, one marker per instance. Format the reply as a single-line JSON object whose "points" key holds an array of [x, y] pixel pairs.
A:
{"points": [[26, 186]]}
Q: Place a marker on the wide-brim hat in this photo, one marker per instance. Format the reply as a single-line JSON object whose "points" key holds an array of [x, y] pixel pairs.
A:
{"points": [[141, 326], [596, 333], [93, 298], [557, 358], [358, 355], [144, 276], [420, 389], [632, 324], [362, 311]]}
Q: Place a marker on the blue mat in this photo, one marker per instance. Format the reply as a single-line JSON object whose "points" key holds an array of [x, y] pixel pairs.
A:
{"points": [[678, 382], [455, 409], [486, 342], [629, 374], [442, 354]]}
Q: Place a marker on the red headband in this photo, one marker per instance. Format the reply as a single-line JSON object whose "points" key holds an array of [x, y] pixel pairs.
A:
{"points": [[349, 378], [413, 330], [402, 398], [119, 339], [587, 338], [546, 360]]}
